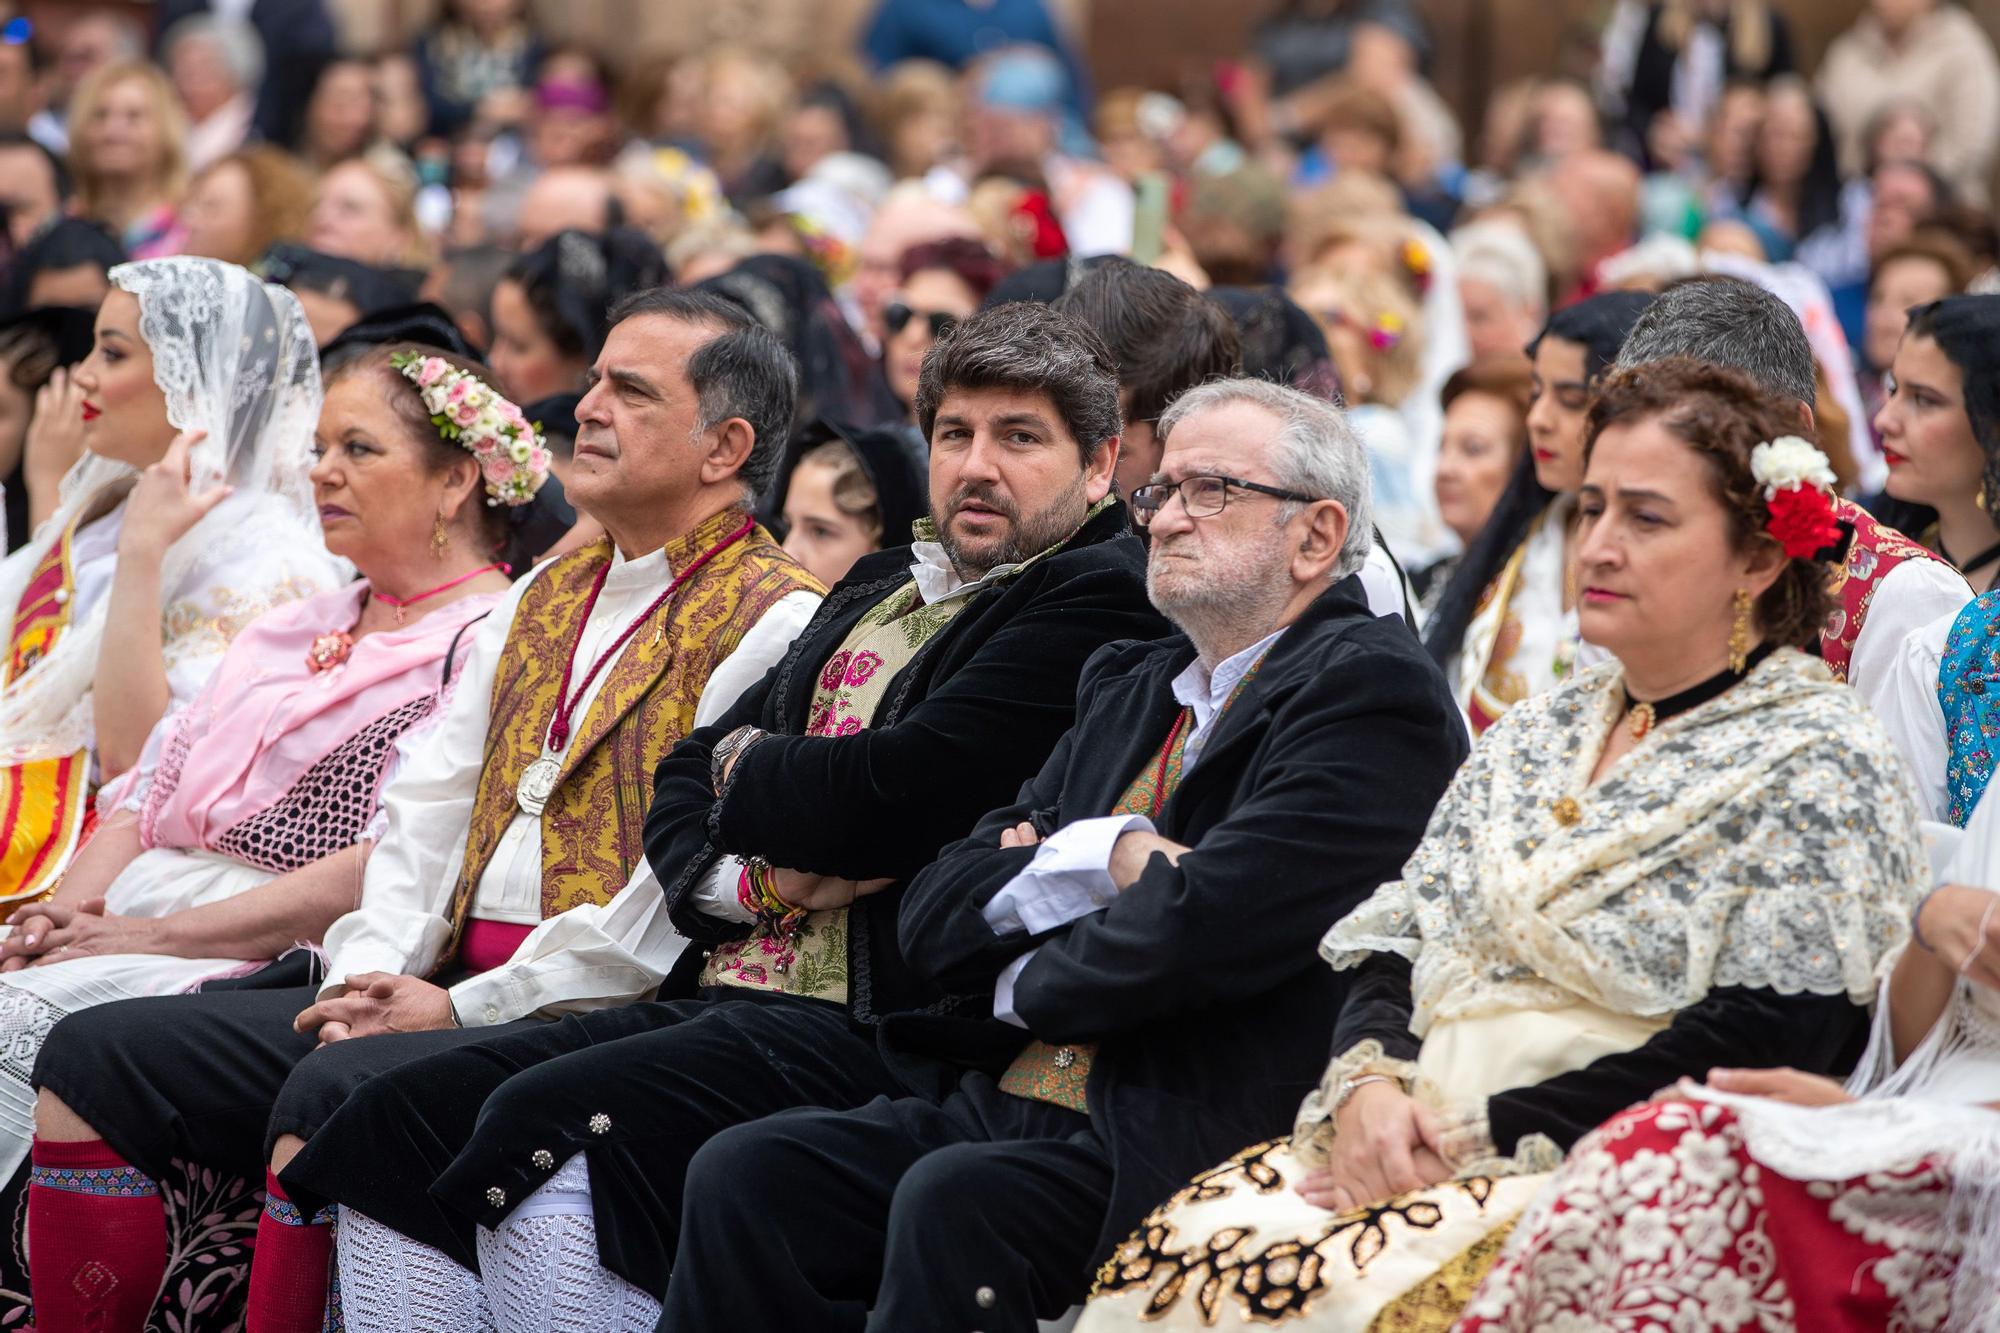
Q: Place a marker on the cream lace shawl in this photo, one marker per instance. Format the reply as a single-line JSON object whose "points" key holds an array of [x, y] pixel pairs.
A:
{"points": [[1767, 838]]}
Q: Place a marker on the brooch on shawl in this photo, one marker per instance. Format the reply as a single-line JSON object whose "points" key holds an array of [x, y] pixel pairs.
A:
{"points": [[329, 651]]}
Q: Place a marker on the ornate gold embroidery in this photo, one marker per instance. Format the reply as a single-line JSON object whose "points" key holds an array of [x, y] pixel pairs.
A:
{"points": [[1434, 1304]]}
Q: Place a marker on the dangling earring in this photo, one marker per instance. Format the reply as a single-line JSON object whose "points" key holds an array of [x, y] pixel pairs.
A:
{"points": [[440, 539], [1739, 634]]}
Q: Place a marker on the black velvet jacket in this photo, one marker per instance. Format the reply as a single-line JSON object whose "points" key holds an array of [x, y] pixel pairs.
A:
{"points": [[1201, 982], [970, 718]]}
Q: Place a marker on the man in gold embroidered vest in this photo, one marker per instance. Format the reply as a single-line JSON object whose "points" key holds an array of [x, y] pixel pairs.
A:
{"points": [[934, 681], [1147, 909], [510, 879]]}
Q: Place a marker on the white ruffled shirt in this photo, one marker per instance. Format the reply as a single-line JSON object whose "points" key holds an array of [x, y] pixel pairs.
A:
{"points": [[588, 957], [1070, 875]]}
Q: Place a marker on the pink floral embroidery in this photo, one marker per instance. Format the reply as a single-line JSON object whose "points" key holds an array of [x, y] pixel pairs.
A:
{"points": [[817, 723], [752, 972], [830, 678], [848, 726], [864, 666]]}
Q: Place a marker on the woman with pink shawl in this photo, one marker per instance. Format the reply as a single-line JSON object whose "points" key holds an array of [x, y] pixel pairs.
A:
{"points": [[241, 835]]}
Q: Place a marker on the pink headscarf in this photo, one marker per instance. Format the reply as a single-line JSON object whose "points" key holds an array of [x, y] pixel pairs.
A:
{"points": [[264, 719]]}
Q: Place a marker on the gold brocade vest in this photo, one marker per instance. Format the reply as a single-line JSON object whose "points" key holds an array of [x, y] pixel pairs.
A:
{"points": [[593, 823], [45, 804], [811, 959]]}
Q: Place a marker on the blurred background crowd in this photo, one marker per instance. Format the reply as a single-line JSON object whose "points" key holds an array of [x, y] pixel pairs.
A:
{"points": [[1398, 191]]}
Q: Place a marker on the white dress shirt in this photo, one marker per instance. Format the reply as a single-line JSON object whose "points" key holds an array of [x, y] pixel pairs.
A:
{"points": [[1070, 875], [588, 957], [1907, 703]]}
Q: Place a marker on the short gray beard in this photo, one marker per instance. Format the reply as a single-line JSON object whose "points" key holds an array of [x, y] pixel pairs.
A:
{"points": [[1238, 606]]}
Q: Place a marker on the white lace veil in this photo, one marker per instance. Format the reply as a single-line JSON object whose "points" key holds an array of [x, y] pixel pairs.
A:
{"points": [[234, 357]]}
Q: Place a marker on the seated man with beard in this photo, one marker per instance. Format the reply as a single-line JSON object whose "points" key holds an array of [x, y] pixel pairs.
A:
{"points": [[934, 681], [1141, 920]]}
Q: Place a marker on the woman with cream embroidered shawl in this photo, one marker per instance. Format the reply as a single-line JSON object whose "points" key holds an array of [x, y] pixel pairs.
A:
{"points": [[1697, 854], [1780, 1199], [241, 833], [188, 515], [1505, 627]]}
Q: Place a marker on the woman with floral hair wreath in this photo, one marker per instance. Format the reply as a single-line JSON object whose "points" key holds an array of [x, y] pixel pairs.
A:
{"points": [[1698, 853], [243, 831]]}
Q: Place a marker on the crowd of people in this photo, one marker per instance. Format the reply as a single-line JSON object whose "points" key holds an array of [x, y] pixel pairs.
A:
{"points": [[912, 695]]}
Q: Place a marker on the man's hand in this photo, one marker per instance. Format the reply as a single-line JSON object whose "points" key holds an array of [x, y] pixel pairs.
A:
{"points": [[1133, 850], [1021, 835], [1387, 1145], [33, 924], [1780, 1085], [822, 893], [372, 1003]]}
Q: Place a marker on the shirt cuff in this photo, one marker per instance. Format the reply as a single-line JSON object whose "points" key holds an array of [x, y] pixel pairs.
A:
{"points": [[1003, 990], [1070, 877], [715, 892], [489, 999]]}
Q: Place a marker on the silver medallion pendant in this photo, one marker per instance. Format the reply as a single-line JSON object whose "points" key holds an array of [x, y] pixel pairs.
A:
{"points": [[532, 792]]}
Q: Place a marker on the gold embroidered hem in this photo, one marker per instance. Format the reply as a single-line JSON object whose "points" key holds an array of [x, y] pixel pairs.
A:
{"points": [[1238, 1248], [1055, 1074]]}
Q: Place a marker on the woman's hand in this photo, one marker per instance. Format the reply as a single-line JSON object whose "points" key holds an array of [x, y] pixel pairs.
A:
{"points": [[1962, 928], [55, 433], [1386, 1144], [32, 924], [93, 932], [163, 507], [1780, 1085]]}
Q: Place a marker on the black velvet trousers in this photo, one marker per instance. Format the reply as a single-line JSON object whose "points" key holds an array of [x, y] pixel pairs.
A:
{"points": [[978, 1214]]}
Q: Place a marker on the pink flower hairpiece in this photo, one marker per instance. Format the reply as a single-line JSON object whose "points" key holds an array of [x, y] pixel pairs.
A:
{"points": [[513, 457], [1385, 333]]}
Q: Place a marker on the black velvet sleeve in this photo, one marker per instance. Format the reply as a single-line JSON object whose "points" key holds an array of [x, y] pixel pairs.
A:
{"points": [[1378, 1005], [1733, 1027]]}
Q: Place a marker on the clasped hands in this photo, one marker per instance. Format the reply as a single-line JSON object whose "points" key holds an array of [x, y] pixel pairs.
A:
{"points": [[52, 932]]}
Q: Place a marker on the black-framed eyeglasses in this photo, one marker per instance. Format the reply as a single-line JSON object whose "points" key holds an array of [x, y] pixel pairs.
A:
{"points": [[1202, 496], [896, 317]]}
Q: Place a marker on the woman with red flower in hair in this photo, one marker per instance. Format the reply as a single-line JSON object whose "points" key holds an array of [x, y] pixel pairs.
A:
{"points": [[1699, 854]]}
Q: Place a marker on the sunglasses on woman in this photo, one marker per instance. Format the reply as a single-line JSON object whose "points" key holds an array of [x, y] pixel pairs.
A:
{"points": [[896, 317]]}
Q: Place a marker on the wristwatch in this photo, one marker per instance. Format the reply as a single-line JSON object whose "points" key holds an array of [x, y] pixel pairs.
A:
{"points": [[735, 743]]}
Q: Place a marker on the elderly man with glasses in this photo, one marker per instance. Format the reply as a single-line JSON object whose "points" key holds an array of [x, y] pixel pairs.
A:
{"points": [[1132, 941]]}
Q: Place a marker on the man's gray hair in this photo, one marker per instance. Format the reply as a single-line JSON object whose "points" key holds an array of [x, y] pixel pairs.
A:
{"points": [[242, 49], [1315, 452], [1726, 322]]}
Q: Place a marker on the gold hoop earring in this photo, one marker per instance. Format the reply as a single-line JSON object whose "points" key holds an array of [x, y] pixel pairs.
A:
{"points": [[1739, 634], [440, 539]]}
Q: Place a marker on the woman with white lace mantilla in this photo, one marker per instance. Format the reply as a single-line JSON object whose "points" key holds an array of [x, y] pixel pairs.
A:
{"points": [[1698, 854], [188, 516]]}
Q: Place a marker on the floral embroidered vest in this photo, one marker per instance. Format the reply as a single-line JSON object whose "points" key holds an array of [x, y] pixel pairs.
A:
{"points": [[811, 960], [1875, 551], [1969, 696], [593, 824], [45, 804]]}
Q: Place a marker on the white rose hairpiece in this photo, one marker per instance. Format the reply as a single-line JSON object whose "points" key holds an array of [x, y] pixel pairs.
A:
{"points": [[1798, 487], [467, 411]]}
